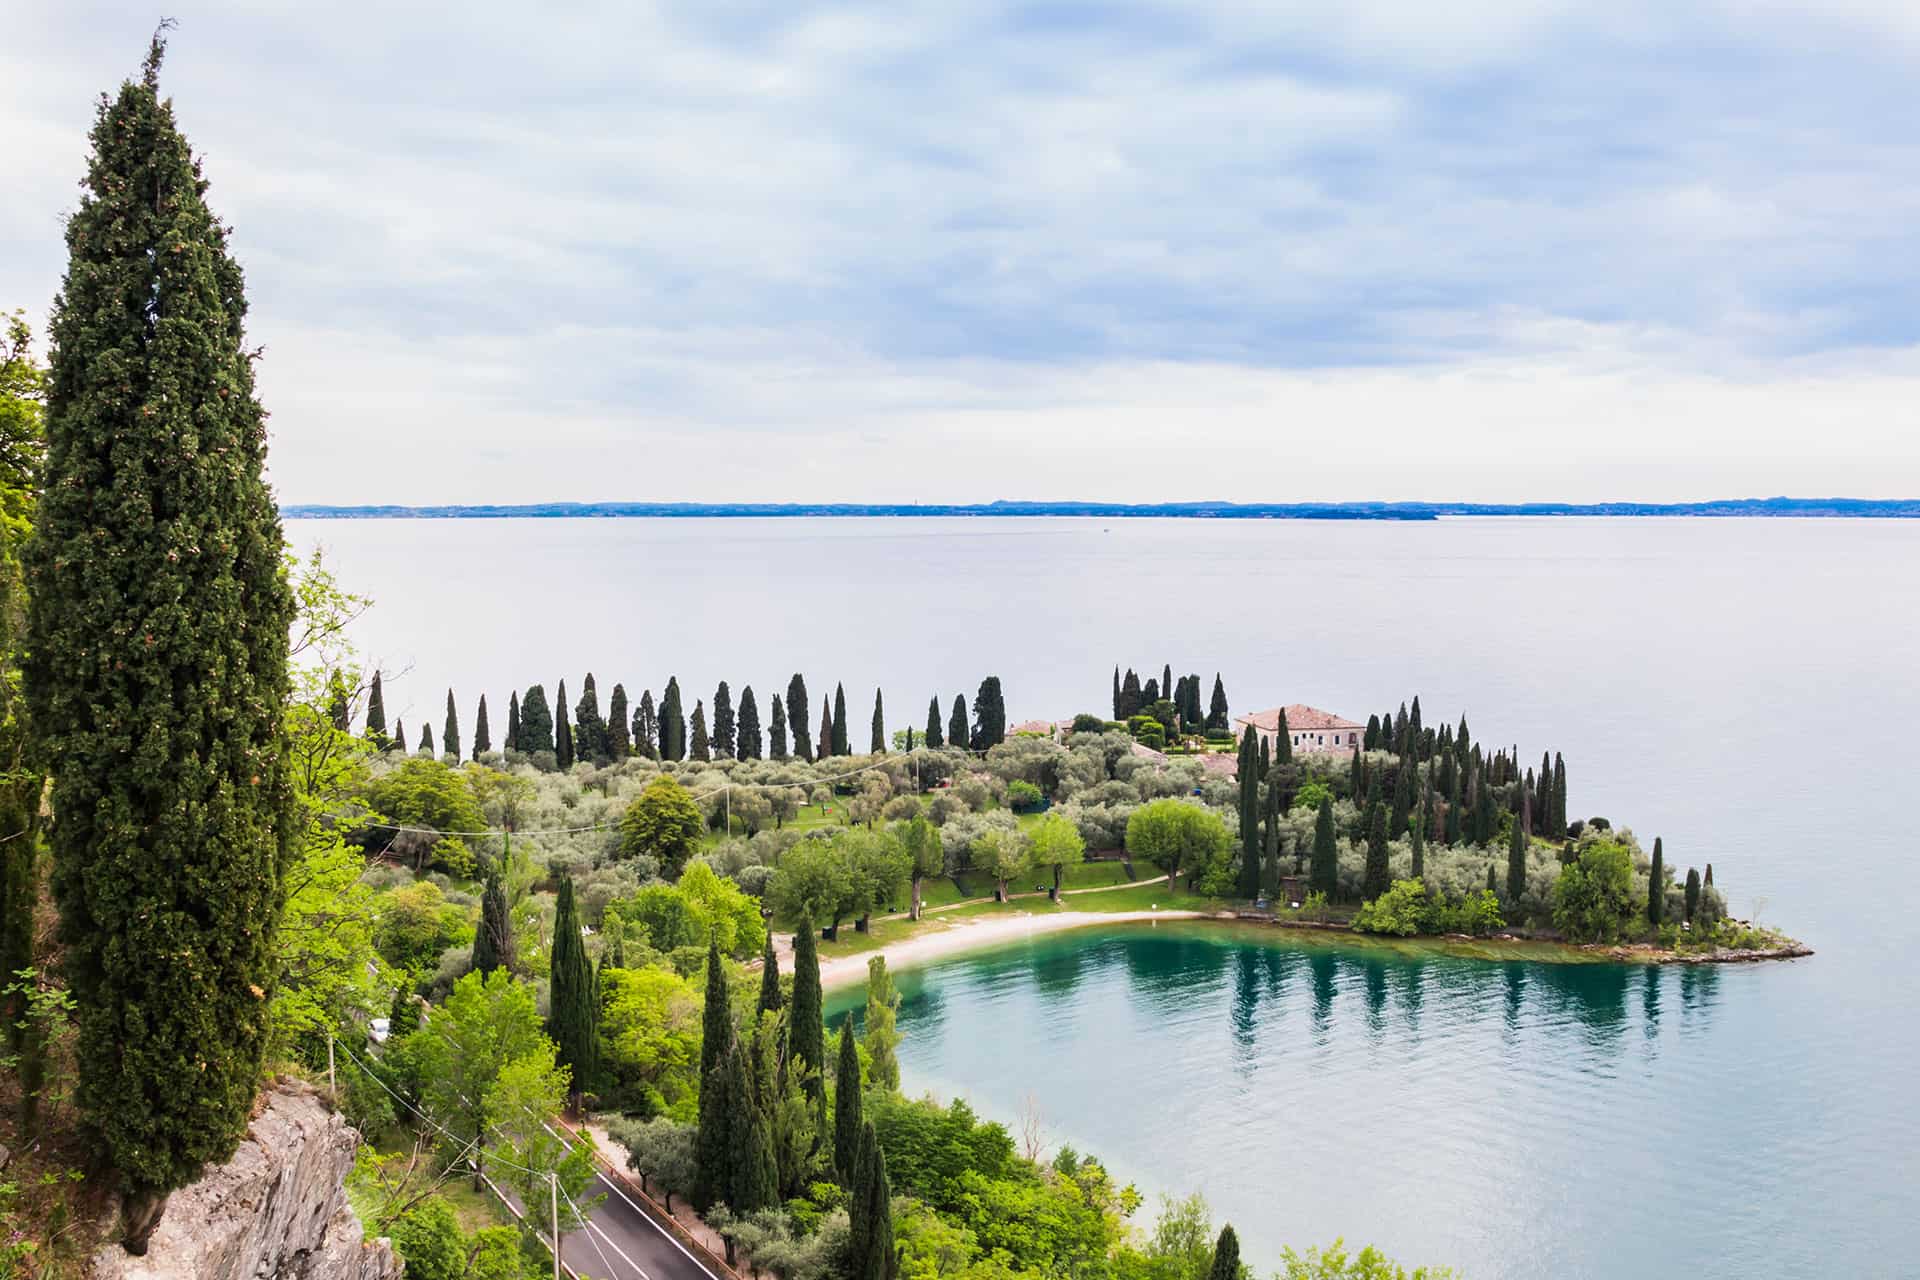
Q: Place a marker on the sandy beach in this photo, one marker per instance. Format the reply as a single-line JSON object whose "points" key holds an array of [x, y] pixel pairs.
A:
{"points": [[963, 935]]}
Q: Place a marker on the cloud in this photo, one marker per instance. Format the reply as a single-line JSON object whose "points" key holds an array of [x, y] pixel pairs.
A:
{"points": [[595, 253]]}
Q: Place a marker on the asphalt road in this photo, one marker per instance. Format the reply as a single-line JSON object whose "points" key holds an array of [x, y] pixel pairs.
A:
{"points": [[624, 1242]]}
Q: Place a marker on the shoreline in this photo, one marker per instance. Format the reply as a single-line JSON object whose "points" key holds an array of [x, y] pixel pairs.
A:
{"points": [[948, 939]]}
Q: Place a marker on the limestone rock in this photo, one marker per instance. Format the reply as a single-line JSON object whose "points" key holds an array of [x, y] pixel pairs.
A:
{"points": [[276, 1211]]}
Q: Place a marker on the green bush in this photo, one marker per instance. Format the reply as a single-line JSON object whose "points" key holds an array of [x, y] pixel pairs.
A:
{"points": [[1023, 795], [1400, 911], [1593, 901]]}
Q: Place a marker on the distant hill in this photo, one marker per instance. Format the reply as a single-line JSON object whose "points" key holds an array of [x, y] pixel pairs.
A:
{"points": [[1901, 508]]}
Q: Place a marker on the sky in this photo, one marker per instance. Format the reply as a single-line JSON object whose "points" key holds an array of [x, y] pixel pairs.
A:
{"points": [[1498, 250]]}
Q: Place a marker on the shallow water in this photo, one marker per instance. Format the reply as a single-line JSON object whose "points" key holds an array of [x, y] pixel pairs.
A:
{"points": [[1745, 689]]}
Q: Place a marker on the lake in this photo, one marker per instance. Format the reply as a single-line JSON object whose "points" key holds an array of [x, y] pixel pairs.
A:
{"points": [[1743, 688]]}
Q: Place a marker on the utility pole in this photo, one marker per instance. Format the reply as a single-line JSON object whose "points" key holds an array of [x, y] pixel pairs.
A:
{"points": [[332, 1092], [553, 1190]]}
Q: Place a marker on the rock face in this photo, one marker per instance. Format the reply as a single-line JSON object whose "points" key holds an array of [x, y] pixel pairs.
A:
{"points": [[276, 1211]]}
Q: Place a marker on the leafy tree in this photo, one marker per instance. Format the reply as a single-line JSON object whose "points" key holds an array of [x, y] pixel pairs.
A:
{"points": [[924, 856], [1174, 835], [376, 713], [879, 742], [482, 737], [575, 1006], [1324, 876], [1003, 854], [805, 1025], [650, 1039], [619, 718], [1593, 898], [876, 864], [430, 796], [957, 733], [664, 823], [536, 722], [719, 911], [488, 1022], [749, 745], [1657, 887], [562, 730], [493, 940], [512, 742], [846, 1106], [797, 717], [990, 715], [814, 880], [526, 1149], [701, 749], [1335, 1263], [659, 1150], [935, 736], [777, 732], [1056, 843], [723, 727], [841, 746], [883, 1006]]}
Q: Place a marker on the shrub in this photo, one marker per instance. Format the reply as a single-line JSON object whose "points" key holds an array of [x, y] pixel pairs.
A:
{"points": [[1593, 901], [1023, 795], [1400, 911], [1310, 795]]}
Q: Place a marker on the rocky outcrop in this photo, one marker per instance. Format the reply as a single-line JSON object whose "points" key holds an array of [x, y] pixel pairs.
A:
{"points": [[276, 1211]]}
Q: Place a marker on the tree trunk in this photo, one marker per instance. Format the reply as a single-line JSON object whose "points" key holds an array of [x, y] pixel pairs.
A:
{"points": [[832, 932], [140, 1213], [999, 890], [915, 913], [1056, 882], [1170, 875], [862, 925]]}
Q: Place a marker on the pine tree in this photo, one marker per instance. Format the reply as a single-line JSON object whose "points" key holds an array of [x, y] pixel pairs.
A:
{"points": [[935, 738], [723, 727], [450, 732], [376, 713], [846, 1106], [1217, 708], [870, 1249], [777, 731], [805, 1028], [958, 734], [770, 1001], [156, 661], [1377, 880], [841, 746], [1416, 833], [797, 717], [1226, 1256], [1693, 893], [536, 722], [1657, 887], [879, 746], [701, 748], [619, 737], [482, 736], [748, 744], [1517, 863], [1325, 873], [574, 1018], [1249, 777], [513, 723], [493, 940], [562, 730]]}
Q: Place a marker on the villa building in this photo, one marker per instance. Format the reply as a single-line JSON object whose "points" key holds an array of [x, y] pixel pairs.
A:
{"points": [[1309, 729]]}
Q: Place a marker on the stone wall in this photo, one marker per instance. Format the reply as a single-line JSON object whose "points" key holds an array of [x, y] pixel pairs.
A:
{"points": [[276, 1211]]}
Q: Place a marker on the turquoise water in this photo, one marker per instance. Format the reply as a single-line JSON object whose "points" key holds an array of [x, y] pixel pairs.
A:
{"points": [[1512, 1119]]}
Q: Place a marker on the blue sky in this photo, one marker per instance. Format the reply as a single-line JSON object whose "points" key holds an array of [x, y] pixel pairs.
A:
{"points": [[964, 251]]}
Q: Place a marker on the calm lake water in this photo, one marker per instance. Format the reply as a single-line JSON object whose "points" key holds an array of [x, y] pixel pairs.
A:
{"points": [[1745, 689]]}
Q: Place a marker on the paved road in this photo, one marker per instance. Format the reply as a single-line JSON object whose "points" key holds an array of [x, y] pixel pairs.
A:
{"points": [[623, 1242]]}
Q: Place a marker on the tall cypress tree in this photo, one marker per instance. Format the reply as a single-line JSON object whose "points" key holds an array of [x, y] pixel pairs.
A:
{"points": [[777, 731], [1417, 829], [590, 733], [156, 664], [1693, 892], [1325, 872], [482, 736], [1517, 863], [450, 731], [935, 736], [1226, 1256], [846, 1105], [716, 1141], [1377, 880], [426, 737], [958, 734], [805, 1029], [797, 717], [1657, 886], [716, 1016], [879, 746], [748, 745], [826, 732], [1404, 780], [841, 745], [1130, 696], [513, 723], [1116, 691], [573, 1020], [723, 727], [755, 1172], [701, 748], [770, 1001], [619, 739], [673, 722], [1249, 776], [870, 1250], [399, 743], [646, 727], [1270, 874], [536, 721], [1217, 707], [493, 940], [376, 713], [1559, 795], [990, 715], [562, 730]]}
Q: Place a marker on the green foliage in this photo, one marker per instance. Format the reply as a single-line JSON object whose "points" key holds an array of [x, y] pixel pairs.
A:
{"points": [[415, 923], [661, 1151], [846, 1109], [430, 795], [157, 673], [882, 1040], [805, 1023], [536, 722], [650, 1040], [813, 881], [487, 1023], [663, 823], [1023, 796], [574, 997], [1325, 872], [1398, 911], [1593, 898], [1335, 1263], [1176, 836], [429, 1240]]}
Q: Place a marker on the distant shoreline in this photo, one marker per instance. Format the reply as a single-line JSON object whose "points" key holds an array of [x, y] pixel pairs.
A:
{"points": [[1799, 508]]}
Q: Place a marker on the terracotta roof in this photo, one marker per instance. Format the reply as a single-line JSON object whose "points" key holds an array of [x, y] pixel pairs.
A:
{"points": [[1033, 726], [1298, 717], [1220, 762], [1146, 752]]}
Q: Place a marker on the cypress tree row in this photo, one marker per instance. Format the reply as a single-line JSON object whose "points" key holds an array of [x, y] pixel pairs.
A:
{"points": [[748, 744], [513, 723], [156, 662], [536, 721], [870, 1251], [700, 749], [1377, 880], [482, 736], [376, 713], [806, 1031], [769, 980], [1656, 887], [797, 717], [957, 732], [934, 735], [574, 1016], [619, 741], [723, 728], [777, 732], [1517, 863], [562, 730], [841, 745], [493, 940], [1325, 872], [846, 1106], [879, 746], [1226, 1256], [450, 732]]}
